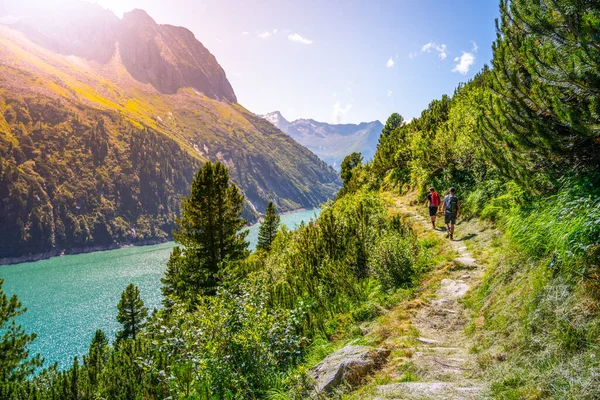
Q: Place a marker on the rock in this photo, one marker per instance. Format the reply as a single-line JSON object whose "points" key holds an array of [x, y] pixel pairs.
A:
{"points": [[428, 390], [169, 58], [452, 289], [466, 261], [348, 365], [428, 341]]}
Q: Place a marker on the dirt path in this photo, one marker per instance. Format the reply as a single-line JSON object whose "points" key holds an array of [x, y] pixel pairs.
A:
{"points": [[445, 367]]}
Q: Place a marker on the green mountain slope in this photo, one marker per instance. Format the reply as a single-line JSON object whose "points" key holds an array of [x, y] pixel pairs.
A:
{"points": [[98, 150]]}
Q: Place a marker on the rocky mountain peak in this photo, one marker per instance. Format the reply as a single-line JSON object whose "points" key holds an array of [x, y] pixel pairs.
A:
{"points": [[139, 17], [165, 56], [277, 119]]}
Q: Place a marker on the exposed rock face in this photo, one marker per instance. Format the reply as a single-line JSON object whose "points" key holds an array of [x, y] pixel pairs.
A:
{"points": [[348, 365], [170, 57], [331, 142], [167, 57]]}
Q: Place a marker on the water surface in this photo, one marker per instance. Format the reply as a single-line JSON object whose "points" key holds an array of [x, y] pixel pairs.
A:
{"points": [[69, 297]]}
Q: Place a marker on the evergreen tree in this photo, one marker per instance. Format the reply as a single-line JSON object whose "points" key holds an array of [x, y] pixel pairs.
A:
{"points": [[132, 313], [15, 364], [96, 356], [208, 232], [268, 228], [75, 380], [544, 111], [348, 167], [388, 143]]}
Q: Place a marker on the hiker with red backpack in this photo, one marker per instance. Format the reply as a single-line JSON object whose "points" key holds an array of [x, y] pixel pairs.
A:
{"points": [[433, 201], [451, 210]]}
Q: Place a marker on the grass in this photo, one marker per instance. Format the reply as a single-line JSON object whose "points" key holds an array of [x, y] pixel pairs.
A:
{"points": [[535, 315]]}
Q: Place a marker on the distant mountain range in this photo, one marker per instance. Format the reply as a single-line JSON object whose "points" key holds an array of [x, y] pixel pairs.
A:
{"points": [[331, 142], [104, 121]]}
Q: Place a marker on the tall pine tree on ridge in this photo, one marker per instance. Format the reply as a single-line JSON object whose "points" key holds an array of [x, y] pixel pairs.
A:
{"points": [[208, 232]]}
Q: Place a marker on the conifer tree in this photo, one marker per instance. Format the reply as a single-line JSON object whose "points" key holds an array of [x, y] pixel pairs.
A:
{"points": [[348, 166], [132, 313], [208, 232], [388, 143], [15, 364], [268, 228], [75, 380], [545, 82], [96, 356]]}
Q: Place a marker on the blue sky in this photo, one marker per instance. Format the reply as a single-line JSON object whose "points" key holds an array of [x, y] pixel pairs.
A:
{"points": [[336, 61]]}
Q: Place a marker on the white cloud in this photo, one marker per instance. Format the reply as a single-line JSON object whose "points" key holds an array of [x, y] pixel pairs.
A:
{"points": [[464, 63], [264, 35], [275, 31], [339, 112], [295, 37], [474, 47], [389, 93], [245, 33], [441, 49], [390, 63], [412, 54]]}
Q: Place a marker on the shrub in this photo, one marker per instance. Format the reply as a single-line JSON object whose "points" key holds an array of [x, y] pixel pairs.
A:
{"points": [[392, 260]]}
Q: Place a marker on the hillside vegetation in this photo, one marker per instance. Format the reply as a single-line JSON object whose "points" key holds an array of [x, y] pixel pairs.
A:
{"points": [[521, 144]]}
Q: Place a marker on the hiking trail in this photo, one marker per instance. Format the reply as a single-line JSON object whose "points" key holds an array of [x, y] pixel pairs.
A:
{"points": [[438, 354]]}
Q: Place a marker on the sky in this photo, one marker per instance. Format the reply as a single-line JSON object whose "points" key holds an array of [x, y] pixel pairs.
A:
{"points": [[336, 61]]}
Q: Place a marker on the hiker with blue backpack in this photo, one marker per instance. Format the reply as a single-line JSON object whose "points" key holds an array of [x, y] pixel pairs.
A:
{"points": [[433, 201], [451, 210]]}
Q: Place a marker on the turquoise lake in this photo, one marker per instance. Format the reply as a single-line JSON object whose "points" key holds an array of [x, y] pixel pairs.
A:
{"points": [[69, 297]]}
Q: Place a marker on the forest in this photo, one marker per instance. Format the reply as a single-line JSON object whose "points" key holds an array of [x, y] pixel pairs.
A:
{"points": [[521, 144]]}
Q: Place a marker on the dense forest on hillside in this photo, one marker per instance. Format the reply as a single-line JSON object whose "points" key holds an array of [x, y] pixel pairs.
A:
{"points": [[77, 179], [520, 142]]}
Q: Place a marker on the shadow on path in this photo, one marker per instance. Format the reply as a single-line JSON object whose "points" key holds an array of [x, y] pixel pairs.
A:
{"points": [[467, 237]]}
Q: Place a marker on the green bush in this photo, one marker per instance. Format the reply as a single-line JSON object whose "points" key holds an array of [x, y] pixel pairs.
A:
{"points": [[392, 260]]}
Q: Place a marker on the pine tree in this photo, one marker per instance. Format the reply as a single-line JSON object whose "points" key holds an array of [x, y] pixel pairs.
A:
{"points": [[544, 108], [96, 356], [75, 380], [208, 232], [15, 364], [268, 228], [348, 167], [382, 161], [132, 313]]}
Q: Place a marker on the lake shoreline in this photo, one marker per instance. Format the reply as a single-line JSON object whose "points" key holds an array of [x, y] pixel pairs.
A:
{"points": [[33, 257]]}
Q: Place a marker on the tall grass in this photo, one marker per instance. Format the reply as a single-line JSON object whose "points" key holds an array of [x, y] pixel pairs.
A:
{"points": [[539, 301]]}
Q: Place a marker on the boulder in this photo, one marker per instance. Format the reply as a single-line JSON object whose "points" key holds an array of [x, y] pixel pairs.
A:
{"points": [[348, 365]]}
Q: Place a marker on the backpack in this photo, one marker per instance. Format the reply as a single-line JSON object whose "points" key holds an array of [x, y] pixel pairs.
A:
{"points": [[451, 204], [435, 199]]}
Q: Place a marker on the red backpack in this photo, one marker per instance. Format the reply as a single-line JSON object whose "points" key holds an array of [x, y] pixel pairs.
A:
{"points": [[435, 199]]}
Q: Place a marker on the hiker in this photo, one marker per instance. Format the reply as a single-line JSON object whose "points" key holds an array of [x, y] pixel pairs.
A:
{"points": [[451, 210], [433, 202]]}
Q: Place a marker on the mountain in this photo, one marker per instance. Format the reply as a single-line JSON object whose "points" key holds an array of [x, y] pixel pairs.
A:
{"points": [[104, 121], [331, 142]]}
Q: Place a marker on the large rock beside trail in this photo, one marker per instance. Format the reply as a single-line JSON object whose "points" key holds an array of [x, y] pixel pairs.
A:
{"points": [[347, 365]]}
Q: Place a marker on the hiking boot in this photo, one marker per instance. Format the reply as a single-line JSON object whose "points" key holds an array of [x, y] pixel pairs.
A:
{"points": [[447, 234], [452, 237]]}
